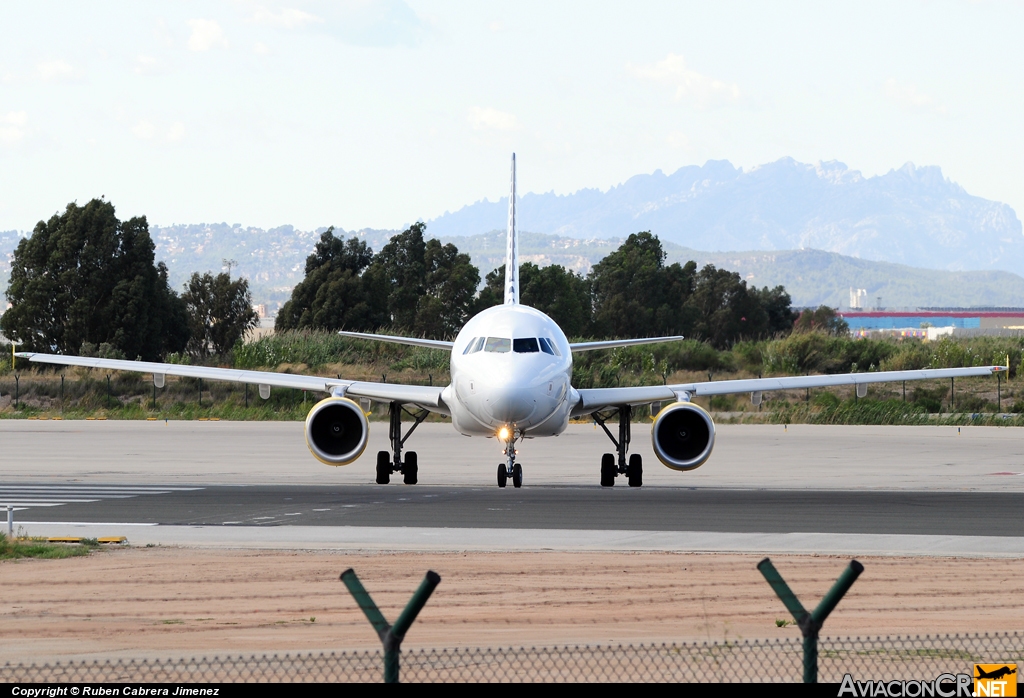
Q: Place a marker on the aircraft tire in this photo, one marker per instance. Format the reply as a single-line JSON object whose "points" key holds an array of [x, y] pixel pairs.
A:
{"points": [[383, 467], [502, 475], [410, 469], [608, 470], [517, 476], [635, 472]]}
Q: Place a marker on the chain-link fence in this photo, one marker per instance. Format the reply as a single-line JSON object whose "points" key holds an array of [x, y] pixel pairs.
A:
{"points": [[917, 658]]}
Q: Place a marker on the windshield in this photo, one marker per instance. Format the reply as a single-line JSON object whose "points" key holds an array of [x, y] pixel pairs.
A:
{"points": [[498, 344]]}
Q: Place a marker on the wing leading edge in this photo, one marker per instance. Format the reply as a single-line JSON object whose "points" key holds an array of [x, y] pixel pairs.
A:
{"points": [[592, 399], [425, 396], [615, 343]]}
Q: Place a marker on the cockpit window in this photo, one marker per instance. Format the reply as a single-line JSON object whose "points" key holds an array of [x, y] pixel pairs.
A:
{"points": [[548, 347], [525, 345], [499, 345], [475, 345]]}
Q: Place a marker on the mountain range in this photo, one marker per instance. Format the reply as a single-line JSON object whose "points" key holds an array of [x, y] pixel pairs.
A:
{"points": [[912, 216]]}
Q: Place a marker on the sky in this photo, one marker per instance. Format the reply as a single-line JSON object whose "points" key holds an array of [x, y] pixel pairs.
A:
{"points": [[378, 113]]}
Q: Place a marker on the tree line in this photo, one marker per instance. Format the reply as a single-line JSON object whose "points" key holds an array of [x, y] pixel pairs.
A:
{"points": [[86, 283], [420, 286]]}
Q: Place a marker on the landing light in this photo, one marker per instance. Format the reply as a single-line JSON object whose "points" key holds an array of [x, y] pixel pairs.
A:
{"points": [[503, 433]]}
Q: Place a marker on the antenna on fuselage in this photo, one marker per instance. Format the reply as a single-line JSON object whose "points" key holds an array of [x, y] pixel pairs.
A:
{"points": [[512, 246]]}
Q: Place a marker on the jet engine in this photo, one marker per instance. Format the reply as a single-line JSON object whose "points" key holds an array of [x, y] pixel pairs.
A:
{"points": [[683, 435], [336, 431]]}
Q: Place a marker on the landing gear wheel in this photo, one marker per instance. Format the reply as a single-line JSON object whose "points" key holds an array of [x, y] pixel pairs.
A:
{"points": [[635, 471], [502, 475], [608, 470], [411, 468], [517, 475], [383, 467]]}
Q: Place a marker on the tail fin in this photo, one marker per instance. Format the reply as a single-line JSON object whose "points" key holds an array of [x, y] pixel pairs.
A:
{"points": [[512, 246]]}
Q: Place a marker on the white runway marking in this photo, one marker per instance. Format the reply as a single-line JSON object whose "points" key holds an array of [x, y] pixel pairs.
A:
{"points": [[22, 497]]}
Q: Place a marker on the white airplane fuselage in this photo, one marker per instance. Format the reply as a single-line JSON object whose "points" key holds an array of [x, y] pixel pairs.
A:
{"points": [[510, 366]]}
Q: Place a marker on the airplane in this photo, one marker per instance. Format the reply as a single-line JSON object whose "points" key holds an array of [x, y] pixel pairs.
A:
{"points": [[994, 674], [511, 371]]}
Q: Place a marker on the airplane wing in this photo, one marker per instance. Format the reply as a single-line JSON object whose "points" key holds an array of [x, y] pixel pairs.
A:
{"points": [[593, 399], [613, 343], [425, 396], [394, 339]]}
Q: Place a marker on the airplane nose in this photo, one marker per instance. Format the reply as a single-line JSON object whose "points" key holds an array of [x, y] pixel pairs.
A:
{"points": [[511, 405]]}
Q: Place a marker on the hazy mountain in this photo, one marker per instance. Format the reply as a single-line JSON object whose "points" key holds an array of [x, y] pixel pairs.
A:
{"points": [[812, 277], [911, 216]]}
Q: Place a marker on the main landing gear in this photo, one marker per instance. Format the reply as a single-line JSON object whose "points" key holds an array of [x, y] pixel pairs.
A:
{"points": [[388, 463], [610, 469], [510, 469]]}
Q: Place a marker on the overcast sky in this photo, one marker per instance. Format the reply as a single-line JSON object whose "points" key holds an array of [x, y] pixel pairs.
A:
{"points": [[376, 114]]}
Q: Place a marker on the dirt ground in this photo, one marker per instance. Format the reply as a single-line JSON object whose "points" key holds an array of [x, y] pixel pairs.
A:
{"points": [[173, 602]]}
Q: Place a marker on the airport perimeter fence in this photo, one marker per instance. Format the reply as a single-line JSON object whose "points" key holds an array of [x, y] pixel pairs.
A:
{"points": [[885, 659]]}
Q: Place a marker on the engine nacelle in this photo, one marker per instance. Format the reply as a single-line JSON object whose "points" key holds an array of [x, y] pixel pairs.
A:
{"points": [[336, 431], [683, 435]]}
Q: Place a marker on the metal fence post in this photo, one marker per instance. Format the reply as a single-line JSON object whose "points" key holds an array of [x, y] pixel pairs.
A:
{"points": [[810, 623], [17, 389], [10, 521], [391, 636]]}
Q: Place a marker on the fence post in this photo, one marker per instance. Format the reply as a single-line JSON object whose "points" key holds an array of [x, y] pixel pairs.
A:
{"points": [[17, 389], [10, 521], [810, 623], [391, 636]]}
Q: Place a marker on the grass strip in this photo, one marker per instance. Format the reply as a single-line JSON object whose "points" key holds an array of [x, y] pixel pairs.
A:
{"points": [[14, 548]]}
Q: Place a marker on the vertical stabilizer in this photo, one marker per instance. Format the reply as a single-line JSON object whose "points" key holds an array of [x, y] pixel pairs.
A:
{"points": [[512, 246]]}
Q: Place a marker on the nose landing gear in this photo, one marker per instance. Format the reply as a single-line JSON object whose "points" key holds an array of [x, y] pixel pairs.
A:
{"points": [[388, 463], [610, 469], [510, 469]]}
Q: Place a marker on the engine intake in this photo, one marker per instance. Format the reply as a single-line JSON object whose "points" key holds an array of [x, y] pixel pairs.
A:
{"points": [[683, 435], [336, 431]]}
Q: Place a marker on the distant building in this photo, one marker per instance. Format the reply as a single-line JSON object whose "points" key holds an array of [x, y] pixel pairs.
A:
{"points": [[264, 329], [933, 322]]}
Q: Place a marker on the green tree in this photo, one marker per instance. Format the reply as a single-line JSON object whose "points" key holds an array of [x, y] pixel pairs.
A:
{"points": [[449, 288], [86, 277], [562, 295], [779, 307], [220, 313], [332, 295], [822, 319], [396, 275], [636, 295], [425, 287], [726, 309]]}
